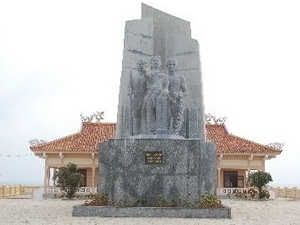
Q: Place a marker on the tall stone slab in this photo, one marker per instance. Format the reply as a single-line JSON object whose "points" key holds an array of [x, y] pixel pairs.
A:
{"points": [[159, 33]]}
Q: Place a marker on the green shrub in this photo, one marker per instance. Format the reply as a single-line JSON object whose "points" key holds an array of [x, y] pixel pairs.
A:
{"points": [[207, 201], [260, 179], [97, 200], [68, 179], [264, 194], [210, 201], [161, 202], [251, 193]]}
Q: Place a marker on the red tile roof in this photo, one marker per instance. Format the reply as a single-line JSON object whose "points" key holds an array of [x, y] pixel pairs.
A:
{"points": [[92, 133], [228, 143], [85, 141]]}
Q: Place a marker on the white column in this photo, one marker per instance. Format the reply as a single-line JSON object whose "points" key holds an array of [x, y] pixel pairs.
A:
{"points": [[46, 178], [93, 179], [248, 172], [219, 181], [61, 156]]}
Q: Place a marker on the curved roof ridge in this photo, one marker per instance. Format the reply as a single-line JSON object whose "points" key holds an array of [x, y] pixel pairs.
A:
{"points": [[256, 143], [86, 140], [55, 140], [232, 144]]}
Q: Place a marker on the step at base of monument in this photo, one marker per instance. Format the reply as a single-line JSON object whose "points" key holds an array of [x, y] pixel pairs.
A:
{"points": [[176, 212]]}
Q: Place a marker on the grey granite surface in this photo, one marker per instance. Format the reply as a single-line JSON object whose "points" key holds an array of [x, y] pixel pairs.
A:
{"points": [[180, 167], [103, 211]]}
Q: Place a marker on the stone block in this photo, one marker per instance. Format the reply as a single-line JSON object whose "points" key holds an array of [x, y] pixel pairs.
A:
{"points": [[143, 169]]}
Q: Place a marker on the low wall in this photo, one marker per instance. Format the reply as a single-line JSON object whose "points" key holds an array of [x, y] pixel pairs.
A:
{"points": [[10, 191], [285, 192]]}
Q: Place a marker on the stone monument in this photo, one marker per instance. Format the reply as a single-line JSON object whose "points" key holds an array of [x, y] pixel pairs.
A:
{"points": [[160, 149]]}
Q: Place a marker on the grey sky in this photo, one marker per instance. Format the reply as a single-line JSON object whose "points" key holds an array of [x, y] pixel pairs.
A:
{"points": [[62, 58]]}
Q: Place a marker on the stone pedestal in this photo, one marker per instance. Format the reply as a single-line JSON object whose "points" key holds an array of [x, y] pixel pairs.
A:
{"points": [[143, 169]]}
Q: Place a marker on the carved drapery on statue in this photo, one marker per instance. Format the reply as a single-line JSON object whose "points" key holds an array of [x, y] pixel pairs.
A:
{"points": [[177, 91], [137, 91], [156, 99]]}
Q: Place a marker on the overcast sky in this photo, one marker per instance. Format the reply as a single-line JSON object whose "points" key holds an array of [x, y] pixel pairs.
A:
{"points": [[62, 58]]}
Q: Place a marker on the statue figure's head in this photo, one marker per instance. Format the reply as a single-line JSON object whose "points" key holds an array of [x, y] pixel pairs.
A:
{"points": [[171, 64], [155, 62], [141, 65]]}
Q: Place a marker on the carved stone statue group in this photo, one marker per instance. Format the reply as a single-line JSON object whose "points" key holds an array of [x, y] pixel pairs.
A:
{"points": [[157, 98]]}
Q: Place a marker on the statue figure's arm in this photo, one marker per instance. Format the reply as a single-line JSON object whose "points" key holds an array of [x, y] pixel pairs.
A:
{"points": [[183, 85], [130, 84], [147, 73], [165, 86]]}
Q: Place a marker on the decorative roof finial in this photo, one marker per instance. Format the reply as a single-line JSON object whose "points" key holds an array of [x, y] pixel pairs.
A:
{"points": [[35, 142], [97, 116], [210, 119], [276, 145]]}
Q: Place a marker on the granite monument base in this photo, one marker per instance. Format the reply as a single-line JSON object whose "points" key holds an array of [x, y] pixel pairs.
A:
{"points": [[132, 170], [143, 170]]}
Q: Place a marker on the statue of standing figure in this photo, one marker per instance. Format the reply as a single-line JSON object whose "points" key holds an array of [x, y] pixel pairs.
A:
{"points": [[137, 91], [177, 91], [157, 84], [157, 98]]}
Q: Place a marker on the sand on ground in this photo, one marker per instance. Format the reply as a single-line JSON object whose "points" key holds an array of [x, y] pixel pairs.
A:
{"points": [[56, 211]]}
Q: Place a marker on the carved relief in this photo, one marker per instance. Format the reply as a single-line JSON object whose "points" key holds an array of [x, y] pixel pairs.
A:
{"points": [[177, 91], [137, 91], [157, 98], [156, 87]]}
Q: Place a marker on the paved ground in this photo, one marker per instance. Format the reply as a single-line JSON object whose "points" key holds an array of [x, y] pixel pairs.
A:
{"points": [[57, 211]]}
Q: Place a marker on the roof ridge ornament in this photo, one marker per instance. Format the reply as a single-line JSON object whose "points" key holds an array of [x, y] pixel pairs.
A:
{"points": [[211, 119], [35, 142], [276, 145], [95, 117]]}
